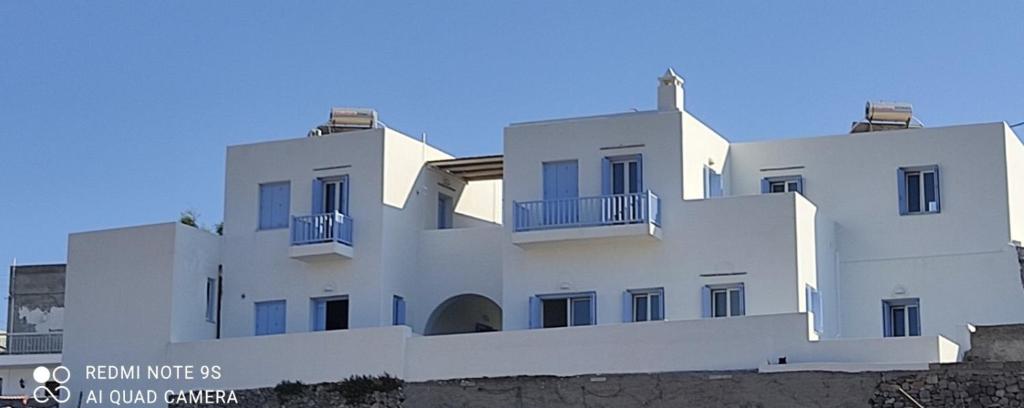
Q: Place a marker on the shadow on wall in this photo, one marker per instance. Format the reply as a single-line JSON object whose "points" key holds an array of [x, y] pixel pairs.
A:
{"points": [[466, 313]]}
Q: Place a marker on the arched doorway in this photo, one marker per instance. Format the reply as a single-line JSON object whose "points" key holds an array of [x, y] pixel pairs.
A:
{"points": [[467, 313]]}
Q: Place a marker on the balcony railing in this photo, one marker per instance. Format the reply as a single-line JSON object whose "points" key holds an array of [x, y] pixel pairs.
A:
{"points": [[320, 228], [615, 209], [31, 343]]}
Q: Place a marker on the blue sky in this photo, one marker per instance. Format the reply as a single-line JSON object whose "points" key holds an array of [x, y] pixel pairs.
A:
{"points": [[117, 113]]}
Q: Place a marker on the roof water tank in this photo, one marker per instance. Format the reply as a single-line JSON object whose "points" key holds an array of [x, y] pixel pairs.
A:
{"points": [[888, 112]]}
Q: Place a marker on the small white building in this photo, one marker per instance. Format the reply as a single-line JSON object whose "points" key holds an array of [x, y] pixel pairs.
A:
{"points": [[351, 251]]}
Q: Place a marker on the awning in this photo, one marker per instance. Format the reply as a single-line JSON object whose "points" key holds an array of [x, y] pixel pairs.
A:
{"points": [[473, 168]]}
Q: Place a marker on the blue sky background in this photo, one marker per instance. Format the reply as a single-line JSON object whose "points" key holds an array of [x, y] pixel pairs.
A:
{"points": [[118, 113]]}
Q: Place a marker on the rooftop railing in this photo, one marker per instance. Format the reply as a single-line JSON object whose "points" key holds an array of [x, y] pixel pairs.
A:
{"points": [[31, 343], [613, 209], [320, 228]]}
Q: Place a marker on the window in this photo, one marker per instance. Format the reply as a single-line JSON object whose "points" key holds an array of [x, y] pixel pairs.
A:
{"points": [[211, 300], [330, 313], [712, 183], [919, 190], [274, 209], [623, 175], [782, 184], [563, 310], [270, 317], [901, 317], [330, 194], [813, 300], [723, 300], [445, 211], [398, 311], [641, 305]]}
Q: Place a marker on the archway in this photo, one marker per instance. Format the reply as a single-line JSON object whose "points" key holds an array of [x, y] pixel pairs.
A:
{"points": [[466, 313]]}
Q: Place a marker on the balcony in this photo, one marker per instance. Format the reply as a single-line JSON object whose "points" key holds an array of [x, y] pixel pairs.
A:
{"points": [[31, 343], [321, 237], [608, 216]]}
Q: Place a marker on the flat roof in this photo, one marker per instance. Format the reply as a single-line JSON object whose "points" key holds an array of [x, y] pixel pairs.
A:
{"points": [[473, 168]]}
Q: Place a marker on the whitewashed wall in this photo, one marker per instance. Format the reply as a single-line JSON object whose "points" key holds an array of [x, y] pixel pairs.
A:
{"points": [[961, 253]]}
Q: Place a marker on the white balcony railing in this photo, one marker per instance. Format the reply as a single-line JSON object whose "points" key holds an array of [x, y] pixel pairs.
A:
{"points": [[320, 228], [31, 343], [614, 209]]}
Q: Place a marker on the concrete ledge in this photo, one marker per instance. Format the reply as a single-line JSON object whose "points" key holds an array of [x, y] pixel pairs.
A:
{"points": [[29, 360], [642, 231], [321, 252], [842, 367]]}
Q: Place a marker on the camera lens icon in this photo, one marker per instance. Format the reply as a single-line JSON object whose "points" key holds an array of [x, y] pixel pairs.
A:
{"points": [[43, 376]]}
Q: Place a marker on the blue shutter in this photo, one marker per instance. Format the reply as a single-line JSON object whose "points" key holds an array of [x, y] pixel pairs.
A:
{"points": [[344, 192], [705, 301], [606, 176], [886, 320], [807, 299], [278, 323], [550, 181], [901, 183], [938, 200], [764, 186], [281, 207], [398, 306], [627, 307], [640, 173], [743, 301], [318, 197], [800, 184], [320, 316], [535, 322], [266, 206]]}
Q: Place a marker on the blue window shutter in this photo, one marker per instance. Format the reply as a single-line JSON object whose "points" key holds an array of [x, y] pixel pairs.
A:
{"points": [[606, 176], [705, 301], [281, 205], [344, 192], [627, 307], [901, 182], [535, 322], [640, 172], [318, 197], [279, 317], [807, 299], [320, 316], [938, 199], [886, 320], [764, 186], [743, 301], [398, 310], [800, 184], [266, 206]]}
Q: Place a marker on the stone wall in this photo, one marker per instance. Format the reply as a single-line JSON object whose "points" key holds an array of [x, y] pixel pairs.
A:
{"points": [[997, 343], [295, 395], [984, 384]]}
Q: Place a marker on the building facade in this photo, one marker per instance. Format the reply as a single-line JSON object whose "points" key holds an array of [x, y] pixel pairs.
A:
{"points": [[35, 325], [869, 250]]}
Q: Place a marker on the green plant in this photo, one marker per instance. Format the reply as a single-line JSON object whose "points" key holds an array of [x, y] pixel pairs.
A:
{"points": [[357, 389], [287, 389], [190, 218]]}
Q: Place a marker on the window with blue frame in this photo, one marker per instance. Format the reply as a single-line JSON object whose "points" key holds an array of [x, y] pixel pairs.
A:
{"points": [[274, 205], [211, 300], [813, 299], [329, 313], [398, 310], [445, 211], [330, 195], [641, 305], [782, 184], [919, 190], [270, 317], [725, 300], [901, 317], [712, 183], [563, 310]]}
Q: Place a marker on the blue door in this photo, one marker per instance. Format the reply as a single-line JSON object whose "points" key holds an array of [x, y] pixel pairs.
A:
{"points": [[561, 191], [270, 317]]}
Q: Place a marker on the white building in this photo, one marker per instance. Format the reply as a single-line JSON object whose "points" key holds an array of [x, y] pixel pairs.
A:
{"points": [[870, 250]]}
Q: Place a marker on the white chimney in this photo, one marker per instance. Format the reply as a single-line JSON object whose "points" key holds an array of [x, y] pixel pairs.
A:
{"points": [[670, 92]]}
